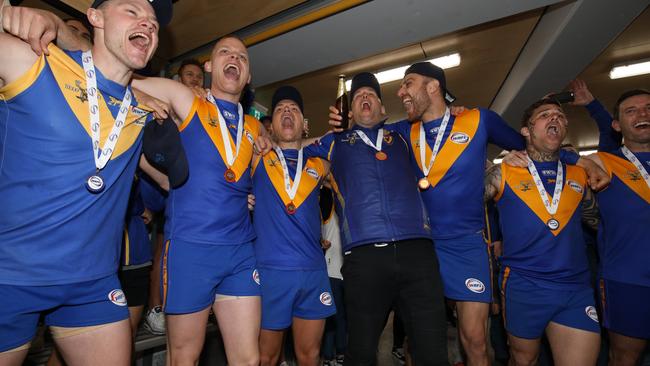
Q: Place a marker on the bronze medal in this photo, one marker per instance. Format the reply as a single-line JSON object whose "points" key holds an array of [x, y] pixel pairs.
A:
{"points": [[423, 183], [380, 155], [229, 175], [291, 208]]}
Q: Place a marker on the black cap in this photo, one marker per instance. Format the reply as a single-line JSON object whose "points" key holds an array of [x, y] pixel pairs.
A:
{"points": [[362, 80], [161, 145], [286, 92], [428, 69], [162, 8]]}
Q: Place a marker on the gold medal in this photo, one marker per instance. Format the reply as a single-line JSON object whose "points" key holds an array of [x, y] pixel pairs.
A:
{"points": [[380, 155], [291, 208], [423, 183], [229, 175]]}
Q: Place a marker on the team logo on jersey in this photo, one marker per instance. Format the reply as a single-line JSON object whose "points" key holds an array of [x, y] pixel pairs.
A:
{"points": [[524, 185], [388, 138], [326, 298], [249, 136], [272, 161], [475, 285], [313, 173], [229, 115], [459, 138], [633, 175], [82, 95], [117, 297], [256, 276], [213, 121], [591, 312], [350, 138], [575, 186], [549, 172], [434, 131]]}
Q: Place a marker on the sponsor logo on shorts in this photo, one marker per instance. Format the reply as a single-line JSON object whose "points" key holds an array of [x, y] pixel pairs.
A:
{"points": [[249, 136], [575, 186], [117, 297], [326, 298], [459, 138], [591, 312], [256, 276], [475, 285], [313, 173]]}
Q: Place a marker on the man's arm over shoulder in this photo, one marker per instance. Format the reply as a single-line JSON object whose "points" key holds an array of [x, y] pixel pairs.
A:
{"points": [[500, 133], [15, 59], [492, 182], [175, 94]]}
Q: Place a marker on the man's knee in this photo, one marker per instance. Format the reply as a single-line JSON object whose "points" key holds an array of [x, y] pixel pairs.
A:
{"points": [[307, 356], [523, 358]]}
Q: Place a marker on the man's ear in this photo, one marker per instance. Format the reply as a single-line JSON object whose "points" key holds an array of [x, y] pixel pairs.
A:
{"points": [[207, 66], [616, 125], [432, 86], [95, 17], [525, 132]]}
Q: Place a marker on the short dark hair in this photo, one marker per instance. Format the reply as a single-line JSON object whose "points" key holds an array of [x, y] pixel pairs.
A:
{"points": [[190, 61], [624, 96], [266, 118], [528, 112]]}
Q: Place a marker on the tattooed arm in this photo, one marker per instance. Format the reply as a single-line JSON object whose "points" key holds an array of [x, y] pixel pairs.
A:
{"points": [[492, 182], [590, 212]]}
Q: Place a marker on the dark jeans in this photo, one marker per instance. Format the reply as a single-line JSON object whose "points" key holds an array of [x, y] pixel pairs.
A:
{"points": [[335, 338], [403, 273]]}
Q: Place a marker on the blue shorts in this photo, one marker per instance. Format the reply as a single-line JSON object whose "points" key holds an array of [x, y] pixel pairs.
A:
{"points": [[465, 268], [294, 293], [193, 274], [625, 308], [71, 305], [529, 308]]}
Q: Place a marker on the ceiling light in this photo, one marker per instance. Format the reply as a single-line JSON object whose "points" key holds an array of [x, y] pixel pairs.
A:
{"points": [[634, 69], [444, 62], [587, 152]]}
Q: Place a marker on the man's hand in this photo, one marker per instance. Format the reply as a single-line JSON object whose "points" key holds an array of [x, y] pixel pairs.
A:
{"points": [[251, 202], [598, 178], [262, 145], [200, 92], [516, 158], [581, 93], [335, 119], [456, 110], [147, 216], [34, 26], [160, 108], [325, 244]]}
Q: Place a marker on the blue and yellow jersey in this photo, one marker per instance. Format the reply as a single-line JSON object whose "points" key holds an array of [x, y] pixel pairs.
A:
{"points": [[455, 198], [623, 235], [53, 230], [136, 245], [552, 258], [287, 241], [208, 209]]}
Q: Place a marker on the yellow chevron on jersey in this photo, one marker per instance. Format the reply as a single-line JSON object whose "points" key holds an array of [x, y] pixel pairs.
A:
{"points": [[313, 173], [465, 125], [72, 82], [627, 173], [521, 183], [209, 117]]}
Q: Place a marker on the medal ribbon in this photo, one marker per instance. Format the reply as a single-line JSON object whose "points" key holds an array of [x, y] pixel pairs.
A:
{"points": [[223, 129], [633, 159], [290, 189], [551, 207], [366, 140], [102, 157], [436, 146]]}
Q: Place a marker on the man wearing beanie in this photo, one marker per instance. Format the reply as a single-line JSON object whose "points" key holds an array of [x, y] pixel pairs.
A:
{"points": [[292, 270], [449, 153], [388, 253], [64, 204]]}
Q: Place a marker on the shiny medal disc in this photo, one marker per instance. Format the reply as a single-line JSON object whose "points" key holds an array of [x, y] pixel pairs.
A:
{"points": [[380, 155], [95, 184], [553, 224], [229, 175], [291, 208], [423, 183]]}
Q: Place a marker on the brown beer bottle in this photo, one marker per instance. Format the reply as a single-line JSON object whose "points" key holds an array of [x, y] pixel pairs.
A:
{"points": [[342, 103]]}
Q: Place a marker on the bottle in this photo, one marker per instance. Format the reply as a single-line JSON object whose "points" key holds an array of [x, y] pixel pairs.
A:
{"points": [[342, 103]]}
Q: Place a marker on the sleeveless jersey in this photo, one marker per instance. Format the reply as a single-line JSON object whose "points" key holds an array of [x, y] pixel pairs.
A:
{"points": [[53, 230]]}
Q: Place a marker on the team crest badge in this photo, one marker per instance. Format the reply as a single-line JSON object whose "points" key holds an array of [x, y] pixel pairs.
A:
{"points": [[117, 297]]}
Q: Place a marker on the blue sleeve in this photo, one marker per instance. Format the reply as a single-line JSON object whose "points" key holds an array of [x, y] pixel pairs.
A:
{"points": [[569, 157], [321, 148], [609, 139], [401, 127], [152, 195], [500, 133]]}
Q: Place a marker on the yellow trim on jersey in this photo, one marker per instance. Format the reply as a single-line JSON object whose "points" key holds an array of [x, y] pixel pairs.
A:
{"points": [[627, 173], [190, 115], [521, 183], [307, 182], [165, 273], [21, 84], [465, 123], [127, 249], [209, 117]]}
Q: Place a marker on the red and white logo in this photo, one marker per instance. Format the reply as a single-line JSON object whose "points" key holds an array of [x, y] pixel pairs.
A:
{"points": [[256, 276], [475, 285], [326, 298], [591, 312], [117, 297]]}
